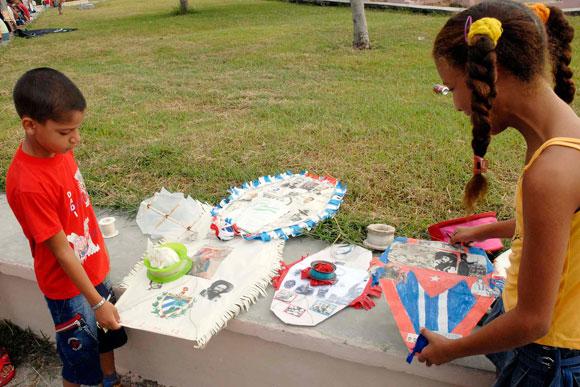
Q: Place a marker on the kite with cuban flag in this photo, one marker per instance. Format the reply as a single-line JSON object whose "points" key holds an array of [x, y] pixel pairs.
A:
{"points": [[444, 288]]}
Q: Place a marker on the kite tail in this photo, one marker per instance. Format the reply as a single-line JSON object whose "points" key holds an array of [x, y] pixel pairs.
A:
{"points": [[284, 269], [364, 301]]}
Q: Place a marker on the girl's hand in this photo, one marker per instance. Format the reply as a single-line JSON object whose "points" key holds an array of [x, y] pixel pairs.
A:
{"points": [[438, 351], [463, 235]]}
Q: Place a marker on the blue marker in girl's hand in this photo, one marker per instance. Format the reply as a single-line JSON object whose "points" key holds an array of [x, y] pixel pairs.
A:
{"points": [[421, 343]]}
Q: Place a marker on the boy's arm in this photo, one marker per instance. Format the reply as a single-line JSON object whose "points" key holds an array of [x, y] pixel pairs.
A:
{"points": [[106, 314]]}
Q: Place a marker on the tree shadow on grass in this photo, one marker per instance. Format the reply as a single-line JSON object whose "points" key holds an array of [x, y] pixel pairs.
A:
{"points": [[177, 12], [246, 12]]}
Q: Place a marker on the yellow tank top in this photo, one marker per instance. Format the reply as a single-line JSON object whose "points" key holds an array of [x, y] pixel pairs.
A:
{"points": [[565, 327]]}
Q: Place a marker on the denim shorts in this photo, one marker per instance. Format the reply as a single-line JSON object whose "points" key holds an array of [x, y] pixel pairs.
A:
{"points": [[535, 365], [78, 340]]}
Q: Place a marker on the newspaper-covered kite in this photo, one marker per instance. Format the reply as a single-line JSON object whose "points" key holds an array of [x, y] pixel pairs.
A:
{"points": [[224, 278], [277, 207], [298, 302], [442, 287]]}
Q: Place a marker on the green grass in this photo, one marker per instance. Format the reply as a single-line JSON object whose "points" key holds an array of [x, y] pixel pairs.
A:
{"points": [[242, 88], [24, 347], [36, 360]]}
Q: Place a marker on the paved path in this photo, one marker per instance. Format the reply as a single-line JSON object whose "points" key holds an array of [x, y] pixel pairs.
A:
{"points": [[571, 7]]}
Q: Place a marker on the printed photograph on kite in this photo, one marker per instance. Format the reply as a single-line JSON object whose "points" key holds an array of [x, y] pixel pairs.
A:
{"points": [[304, 299], [196, 301], [444, 288]]}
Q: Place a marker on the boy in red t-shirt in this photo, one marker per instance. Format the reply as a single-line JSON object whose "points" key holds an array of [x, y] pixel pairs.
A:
{"points": [[46, 192]]}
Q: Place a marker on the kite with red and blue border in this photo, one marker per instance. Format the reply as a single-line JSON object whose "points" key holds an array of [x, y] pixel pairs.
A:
{"points": [[444, 288]]}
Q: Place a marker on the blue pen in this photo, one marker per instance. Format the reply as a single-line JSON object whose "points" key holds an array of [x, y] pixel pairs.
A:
{"points": [[421, 343]]}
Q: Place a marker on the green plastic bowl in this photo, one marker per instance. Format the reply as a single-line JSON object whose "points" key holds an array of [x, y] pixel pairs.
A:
{"points": [[172, 272]]}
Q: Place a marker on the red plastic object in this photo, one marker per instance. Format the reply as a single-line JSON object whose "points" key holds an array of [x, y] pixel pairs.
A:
{"points": [[5, 376], [324, 267], [305, 274], [442, 231], [364, 301]]}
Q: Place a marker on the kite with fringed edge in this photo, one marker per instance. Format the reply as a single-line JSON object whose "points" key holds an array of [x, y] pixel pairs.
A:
{"points": [[278, 206]]}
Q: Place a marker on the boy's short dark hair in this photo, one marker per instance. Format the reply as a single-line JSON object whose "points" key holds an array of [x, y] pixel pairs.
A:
{"points": [[47, 94]]}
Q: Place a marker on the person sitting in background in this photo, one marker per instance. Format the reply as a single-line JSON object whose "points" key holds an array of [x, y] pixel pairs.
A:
{"points": [[7, 15], [30, 5], [17, 13], [23, 9], [4, 31]]}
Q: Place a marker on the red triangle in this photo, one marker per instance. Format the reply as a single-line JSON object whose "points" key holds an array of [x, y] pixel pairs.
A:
{"points": [[435, 282]]}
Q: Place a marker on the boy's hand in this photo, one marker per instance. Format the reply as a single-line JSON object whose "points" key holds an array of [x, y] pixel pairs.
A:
{"points": [[463, 235], [108, 317]]}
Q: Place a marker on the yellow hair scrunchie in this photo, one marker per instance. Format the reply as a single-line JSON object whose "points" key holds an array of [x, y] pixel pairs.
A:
{"points": [[488, 26], [541, 10]]}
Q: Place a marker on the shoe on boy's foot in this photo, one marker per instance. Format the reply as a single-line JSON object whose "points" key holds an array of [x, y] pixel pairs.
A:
{"points": [[112, 380]]}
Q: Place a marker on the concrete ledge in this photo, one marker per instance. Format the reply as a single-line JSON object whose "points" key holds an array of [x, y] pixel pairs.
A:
{"points": [[18, 270], [253, 353], [352, 348]]}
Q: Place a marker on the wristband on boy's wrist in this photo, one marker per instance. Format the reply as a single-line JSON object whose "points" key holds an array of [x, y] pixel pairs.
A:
{"points": [[99, 304]]}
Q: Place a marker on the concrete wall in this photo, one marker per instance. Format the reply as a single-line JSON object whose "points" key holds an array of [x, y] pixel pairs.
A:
{"points": [[355, 347], [241, 355]]}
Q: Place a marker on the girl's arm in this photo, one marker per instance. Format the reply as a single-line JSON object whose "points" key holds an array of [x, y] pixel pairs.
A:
{"points": [[549, 204], [504, 230]]}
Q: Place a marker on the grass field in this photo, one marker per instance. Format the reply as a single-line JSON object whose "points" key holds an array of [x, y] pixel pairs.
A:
{"points": [[238, 89]]}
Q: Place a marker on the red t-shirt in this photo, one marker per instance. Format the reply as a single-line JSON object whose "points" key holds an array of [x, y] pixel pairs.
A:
{"points": [[48, 195]]}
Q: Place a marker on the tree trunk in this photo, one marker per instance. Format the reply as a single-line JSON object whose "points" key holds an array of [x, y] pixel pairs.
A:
{"points": [[361, 34], [183, 7]]}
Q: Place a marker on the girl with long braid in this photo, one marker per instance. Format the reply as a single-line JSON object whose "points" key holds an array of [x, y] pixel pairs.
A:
{"points": [[493, 57]]}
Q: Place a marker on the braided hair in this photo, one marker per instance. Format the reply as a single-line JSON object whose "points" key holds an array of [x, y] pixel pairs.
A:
{"points": [[560, 35], [516, 52]]}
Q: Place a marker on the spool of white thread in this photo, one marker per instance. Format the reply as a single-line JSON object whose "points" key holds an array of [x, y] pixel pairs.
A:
{"points": [[379, 236], [108, 227]]}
